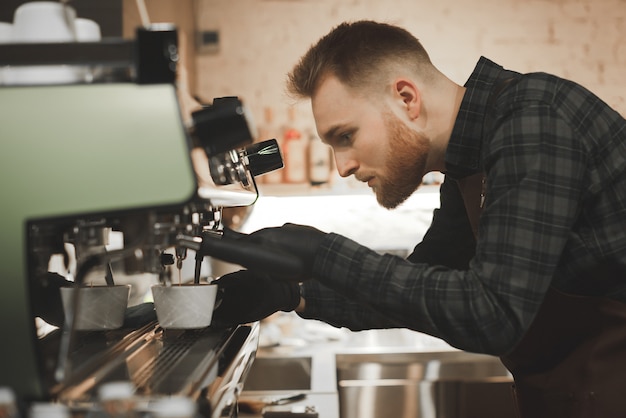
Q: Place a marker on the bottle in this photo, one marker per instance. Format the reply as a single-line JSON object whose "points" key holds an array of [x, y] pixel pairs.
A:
{"points": [[174, 407], [48, 410], [269, 130], [319, 161], [117, 399], [294, 152], [8, 404]]}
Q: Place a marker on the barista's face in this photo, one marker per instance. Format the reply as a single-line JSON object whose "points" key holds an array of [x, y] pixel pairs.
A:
{"points": [[370, 142]]}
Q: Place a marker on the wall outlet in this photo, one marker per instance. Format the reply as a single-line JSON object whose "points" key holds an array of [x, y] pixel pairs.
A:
{"points": [[208, 42]]}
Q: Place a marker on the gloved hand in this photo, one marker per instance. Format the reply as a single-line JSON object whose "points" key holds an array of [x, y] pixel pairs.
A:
{"points": [[299, 240], [245, 296]]}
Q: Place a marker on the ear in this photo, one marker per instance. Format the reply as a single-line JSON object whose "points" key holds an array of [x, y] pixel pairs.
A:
{"points": [[410, 96]]}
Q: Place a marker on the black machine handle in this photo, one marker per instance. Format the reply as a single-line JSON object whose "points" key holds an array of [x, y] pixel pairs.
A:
{"points": [[231, 248], [264, 157]]}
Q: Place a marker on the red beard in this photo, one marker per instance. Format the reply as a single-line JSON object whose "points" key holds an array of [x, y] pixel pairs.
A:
{"points": [[405, 165]]}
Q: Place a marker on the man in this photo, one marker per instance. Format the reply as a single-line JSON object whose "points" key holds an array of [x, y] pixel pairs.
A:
{"points": [[526, 257]]}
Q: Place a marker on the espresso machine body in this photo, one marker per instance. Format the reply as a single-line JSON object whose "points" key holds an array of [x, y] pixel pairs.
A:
{"points": [[79, 161], [74, 151]]}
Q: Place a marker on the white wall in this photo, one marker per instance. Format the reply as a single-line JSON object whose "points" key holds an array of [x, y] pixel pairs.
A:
{"points": [[261, 40]]}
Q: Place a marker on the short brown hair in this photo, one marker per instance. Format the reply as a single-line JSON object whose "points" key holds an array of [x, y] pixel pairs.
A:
{"points": [[357, 54]]}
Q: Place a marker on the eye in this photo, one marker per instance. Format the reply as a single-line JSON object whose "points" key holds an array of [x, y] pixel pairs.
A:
{"points": [[344, 139]]}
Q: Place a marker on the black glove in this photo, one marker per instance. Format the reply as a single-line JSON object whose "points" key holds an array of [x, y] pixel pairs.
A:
{"points": [[247, 297], [299, 240]]}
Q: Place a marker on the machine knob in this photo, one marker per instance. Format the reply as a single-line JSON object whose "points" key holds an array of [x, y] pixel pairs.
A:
{"points": [[167, 259], [264, 157]]}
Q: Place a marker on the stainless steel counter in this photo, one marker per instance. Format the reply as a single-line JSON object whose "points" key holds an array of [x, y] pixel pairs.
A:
{"points": [[377, 373]]}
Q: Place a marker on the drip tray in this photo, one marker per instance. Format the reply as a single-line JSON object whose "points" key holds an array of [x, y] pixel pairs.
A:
{"points": [[158, 362], [176, 363]]}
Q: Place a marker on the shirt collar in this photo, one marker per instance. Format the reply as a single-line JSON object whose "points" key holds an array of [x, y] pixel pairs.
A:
{"points": [[463, 152]]}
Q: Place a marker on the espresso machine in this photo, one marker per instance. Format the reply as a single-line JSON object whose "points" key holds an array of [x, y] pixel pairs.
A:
{"points": [[83, 160]]}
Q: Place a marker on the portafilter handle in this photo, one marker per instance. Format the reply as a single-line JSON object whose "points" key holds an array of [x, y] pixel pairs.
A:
{"points": [[232, 248]]}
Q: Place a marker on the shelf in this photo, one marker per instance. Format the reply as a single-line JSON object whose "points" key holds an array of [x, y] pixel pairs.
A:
{"points": [[331, 189]]}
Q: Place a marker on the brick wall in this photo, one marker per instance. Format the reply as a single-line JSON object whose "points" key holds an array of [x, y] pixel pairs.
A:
{"points": [[260, 40]]}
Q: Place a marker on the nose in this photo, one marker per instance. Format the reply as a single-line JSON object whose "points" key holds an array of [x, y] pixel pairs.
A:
{"points": [[346, 164]]}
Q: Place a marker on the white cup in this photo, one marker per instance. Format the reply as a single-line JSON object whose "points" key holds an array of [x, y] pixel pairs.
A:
{"points": [[44, 21], [87, 30], [185, 306]]}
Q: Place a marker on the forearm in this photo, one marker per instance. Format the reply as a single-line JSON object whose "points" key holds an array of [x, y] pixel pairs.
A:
{"points": [[321, 303], [450, 304]]}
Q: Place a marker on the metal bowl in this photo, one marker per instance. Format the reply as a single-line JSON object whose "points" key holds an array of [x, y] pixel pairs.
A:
{"points": [[98, 307]]}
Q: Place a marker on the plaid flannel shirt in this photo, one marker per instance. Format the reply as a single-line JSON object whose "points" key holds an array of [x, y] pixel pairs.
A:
{"points": [[554, 156]]}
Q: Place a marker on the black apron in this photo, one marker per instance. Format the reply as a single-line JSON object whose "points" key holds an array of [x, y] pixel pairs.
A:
{"points": [[571, 363]]}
